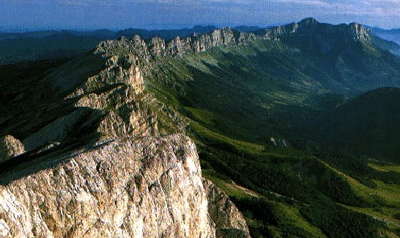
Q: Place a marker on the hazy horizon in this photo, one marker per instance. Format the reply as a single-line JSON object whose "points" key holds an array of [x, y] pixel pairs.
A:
{"points": [[150, 28], [24, 15], [161, 27]]}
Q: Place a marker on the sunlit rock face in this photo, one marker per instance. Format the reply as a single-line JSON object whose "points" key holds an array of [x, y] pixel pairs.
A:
{"points": [[227, 218], [100, 167], [147, 187]]}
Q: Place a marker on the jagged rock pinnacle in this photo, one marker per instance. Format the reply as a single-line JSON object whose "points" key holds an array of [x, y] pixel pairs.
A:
{"points": [[359, 32]]}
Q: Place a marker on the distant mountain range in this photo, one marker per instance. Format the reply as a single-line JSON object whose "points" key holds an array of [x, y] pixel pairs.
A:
{"points": [[29, 46], [39, 45], [390, 35]]}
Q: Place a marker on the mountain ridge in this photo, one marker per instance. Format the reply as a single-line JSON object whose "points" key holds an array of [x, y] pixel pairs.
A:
{"points": [[69, 43], [228, 36]]}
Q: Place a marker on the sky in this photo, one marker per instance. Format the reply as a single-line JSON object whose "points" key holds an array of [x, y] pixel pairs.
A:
{"points": [[156, 14]]}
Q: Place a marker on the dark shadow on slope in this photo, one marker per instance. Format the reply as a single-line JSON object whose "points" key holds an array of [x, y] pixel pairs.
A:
{"points": [[82, 137]]}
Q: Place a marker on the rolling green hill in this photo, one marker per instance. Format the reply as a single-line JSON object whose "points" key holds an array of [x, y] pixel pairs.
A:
{"points": [[367, 124]]}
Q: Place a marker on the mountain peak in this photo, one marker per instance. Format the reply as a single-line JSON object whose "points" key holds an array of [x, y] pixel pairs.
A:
{"points": [[308, 21]]}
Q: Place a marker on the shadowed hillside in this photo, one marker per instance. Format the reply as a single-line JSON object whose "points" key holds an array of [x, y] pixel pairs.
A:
{"points": [[367, 124]]}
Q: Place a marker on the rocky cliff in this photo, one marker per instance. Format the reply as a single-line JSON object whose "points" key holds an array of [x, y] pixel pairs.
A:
{"points": [[96, 163], [157, 47], [227, 218], [10, 147], [143, 187]]}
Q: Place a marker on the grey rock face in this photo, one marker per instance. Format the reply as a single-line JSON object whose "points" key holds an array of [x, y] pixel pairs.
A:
{"points": [[10, 147], [228, 219], [148, 187], [360, 32], [157, 47]]}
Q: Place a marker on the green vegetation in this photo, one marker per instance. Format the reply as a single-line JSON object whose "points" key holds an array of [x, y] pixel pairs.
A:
{"points": [[367, 124], [237, 98], [297, 196]]}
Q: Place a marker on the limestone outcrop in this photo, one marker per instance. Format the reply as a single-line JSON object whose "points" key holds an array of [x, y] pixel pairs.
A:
{"points": [[10, 147], [227, 218], [101, 168], [145, 187]]}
